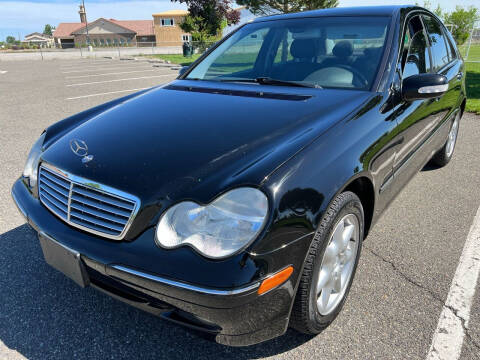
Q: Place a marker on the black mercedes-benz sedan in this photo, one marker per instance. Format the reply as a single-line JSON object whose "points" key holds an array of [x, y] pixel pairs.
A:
{"points": [[235, 199]]}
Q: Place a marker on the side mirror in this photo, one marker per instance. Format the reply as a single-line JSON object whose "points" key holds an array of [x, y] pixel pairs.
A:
{"points": [[424, 86], [183, 70]]}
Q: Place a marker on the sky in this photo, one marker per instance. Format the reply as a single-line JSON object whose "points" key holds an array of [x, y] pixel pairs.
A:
{"points": [[19, 18]]}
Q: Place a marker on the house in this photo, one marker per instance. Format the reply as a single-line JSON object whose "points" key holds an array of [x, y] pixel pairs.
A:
{"points": [[169, 33], [167, 29], [163, 30], [105, 32], [38, 39]]}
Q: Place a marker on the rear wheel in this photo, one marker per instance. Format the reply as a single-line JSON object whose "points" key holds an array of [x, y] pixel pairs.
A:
{"points": [[330, 265], [445, 154]]}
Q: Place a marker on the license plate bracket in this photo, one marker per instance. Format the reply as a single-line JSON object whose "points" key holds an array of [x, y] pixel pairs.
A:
{"points": [[63, 259]]}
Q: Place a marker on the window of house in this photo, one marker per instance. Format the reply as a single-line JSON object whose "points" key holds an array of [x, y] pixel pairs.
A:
{"points": [[102, 42], [438, 45], [186, 38], [167, 22]]}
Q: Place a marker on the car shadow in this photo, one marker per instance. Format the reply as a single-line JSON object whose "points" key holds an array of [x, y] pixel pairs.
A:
{"points": [[430, 166], [44, 315]]}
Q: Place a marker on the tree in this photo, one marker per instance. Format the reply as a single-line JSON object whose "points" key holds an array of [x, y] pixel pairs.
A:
{"points": [[427, 4], [10, 39], [48, 30], [463, 21], [207, 18], [267, 7]]}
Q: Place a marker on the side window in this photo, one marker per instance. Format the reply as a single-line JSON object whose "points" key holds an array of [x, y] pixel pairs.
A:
{"points": [[451, 45], [437, 43], [241, 56], [416, 58]]}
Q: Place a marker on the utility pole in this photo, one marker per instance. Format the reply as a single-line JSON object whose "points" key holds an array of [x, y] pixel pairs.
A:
{"points": [[84, 19]]}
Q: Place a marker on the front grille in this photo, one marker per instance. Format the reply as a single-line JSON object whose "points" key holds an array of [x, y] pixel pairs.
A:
{"points": [[84, 204]]}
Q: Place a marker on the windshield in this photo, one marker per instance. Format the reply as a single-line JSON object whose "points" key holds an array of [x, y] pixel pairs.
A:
{"points": [[331, 52]]}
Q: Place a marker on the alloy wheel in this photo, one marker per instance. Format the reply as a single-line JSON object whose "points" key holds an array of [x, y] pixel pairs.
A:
{"points": [[337, 264], [452, 137]]}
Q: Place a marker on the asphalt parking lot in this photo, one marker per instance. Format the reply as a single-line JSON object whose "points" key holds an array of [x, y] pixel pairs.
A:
{"points": [[402, 283]]}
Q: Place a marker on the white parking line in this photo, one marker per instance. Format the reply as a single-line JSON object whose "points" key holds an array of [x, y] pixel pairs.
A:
{"points": [[104, 68], [92, 62], [73, 64], [453, 323], [94, 66], [116, 80], [105, 93], [3, 71], [112, 73]]}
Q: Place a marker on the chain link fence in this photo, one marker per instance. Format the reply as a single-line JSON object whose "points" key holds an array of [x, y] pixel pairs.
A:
{"points": [[108, 49]]}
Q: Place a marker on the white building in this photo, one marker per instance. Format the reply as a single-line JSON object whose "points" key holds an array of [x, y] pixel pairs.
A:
{"points": [[38, 39]]}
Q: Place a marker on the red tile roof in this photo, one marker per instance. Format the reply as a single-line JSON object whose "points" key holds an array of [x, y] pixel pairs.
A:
{"points": [[141, 27], [66, 29]]}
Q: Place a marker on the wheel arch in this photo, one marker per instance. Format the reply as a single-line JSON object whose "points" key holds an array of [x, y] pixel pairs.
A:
{"points": [[363, 187], [463, 106]]}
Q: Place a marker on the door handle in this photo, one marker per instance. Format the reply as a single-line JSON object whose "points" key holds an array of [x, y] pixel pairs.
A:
{"points": [[460, 75]]}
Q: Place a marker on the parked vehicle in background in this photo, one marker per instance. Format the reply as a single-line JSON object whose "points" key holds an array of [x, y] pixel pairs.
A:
{"points": [[235, 199]]}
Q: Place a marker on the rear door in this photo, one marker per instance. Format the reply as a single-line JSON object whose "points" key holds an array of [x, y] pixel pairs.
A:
{"points": [[420, 130], [445, 62]]}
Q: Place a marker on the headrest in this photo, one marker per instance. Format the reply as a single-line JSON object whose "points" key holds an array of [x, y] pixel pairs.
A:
{"points": [[343, 49], [302, 48]]}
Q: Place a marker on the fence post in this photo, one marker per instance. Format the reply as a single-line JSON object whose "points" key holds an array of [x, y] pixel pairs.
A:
{"points": [[118, 48], [470, 41], [81, 53], [41, 53]]}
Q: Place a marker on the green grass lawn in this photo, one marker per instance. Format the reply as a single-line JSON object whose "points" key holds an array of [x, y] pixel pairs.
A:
{"points": [[473, 87], [178, 59], [473, 54]]}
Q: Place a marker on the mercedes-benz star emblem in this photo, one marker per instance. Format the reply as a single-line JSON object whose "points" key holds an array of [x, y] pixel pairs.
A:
{"points": [[80, 148]]}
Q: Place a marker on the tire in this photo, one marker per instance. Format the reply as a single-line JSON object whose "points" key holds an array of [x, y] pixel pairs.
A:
{"points": [[306, 317], [445, 154]]}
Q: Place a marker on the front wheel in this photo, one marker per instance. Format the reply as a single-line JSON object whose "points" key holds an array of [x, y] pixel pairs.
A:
{"points": [[445, 154], [330, 265]]}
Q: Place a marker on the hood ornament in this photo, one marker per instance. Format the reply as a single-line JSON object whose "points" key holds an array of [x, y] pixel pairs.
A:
{"points": [[80, 148]]}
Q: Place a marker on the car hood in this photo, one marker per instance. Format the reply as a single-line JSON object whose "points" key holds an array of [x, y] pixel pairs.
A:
{"points": [[193, 140]]}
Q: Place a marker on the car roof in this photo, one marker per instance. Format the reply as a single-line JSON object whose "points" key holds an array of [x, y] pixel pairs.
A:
{"points": [[343, 11]]}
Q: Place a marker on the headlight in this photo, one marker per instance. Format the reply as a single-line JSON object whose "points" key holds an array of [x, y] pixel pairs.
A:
{"points": [[31, 166], [219, 229]]}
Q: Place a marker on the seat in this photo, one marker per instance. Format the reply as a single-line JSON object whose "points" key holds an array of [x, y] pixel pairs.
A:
{"points": [[367, 63], [342, 53], [303, 64]]}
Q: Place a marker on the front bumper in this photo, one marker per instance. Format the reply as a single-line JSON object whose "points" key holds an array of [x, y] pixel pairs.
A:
{"points": [[235, 316]]}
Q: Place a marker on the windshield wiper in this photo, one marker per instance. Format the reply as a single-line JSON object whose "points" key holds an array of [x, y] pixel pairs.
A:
{"points": [[269, 81]]}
